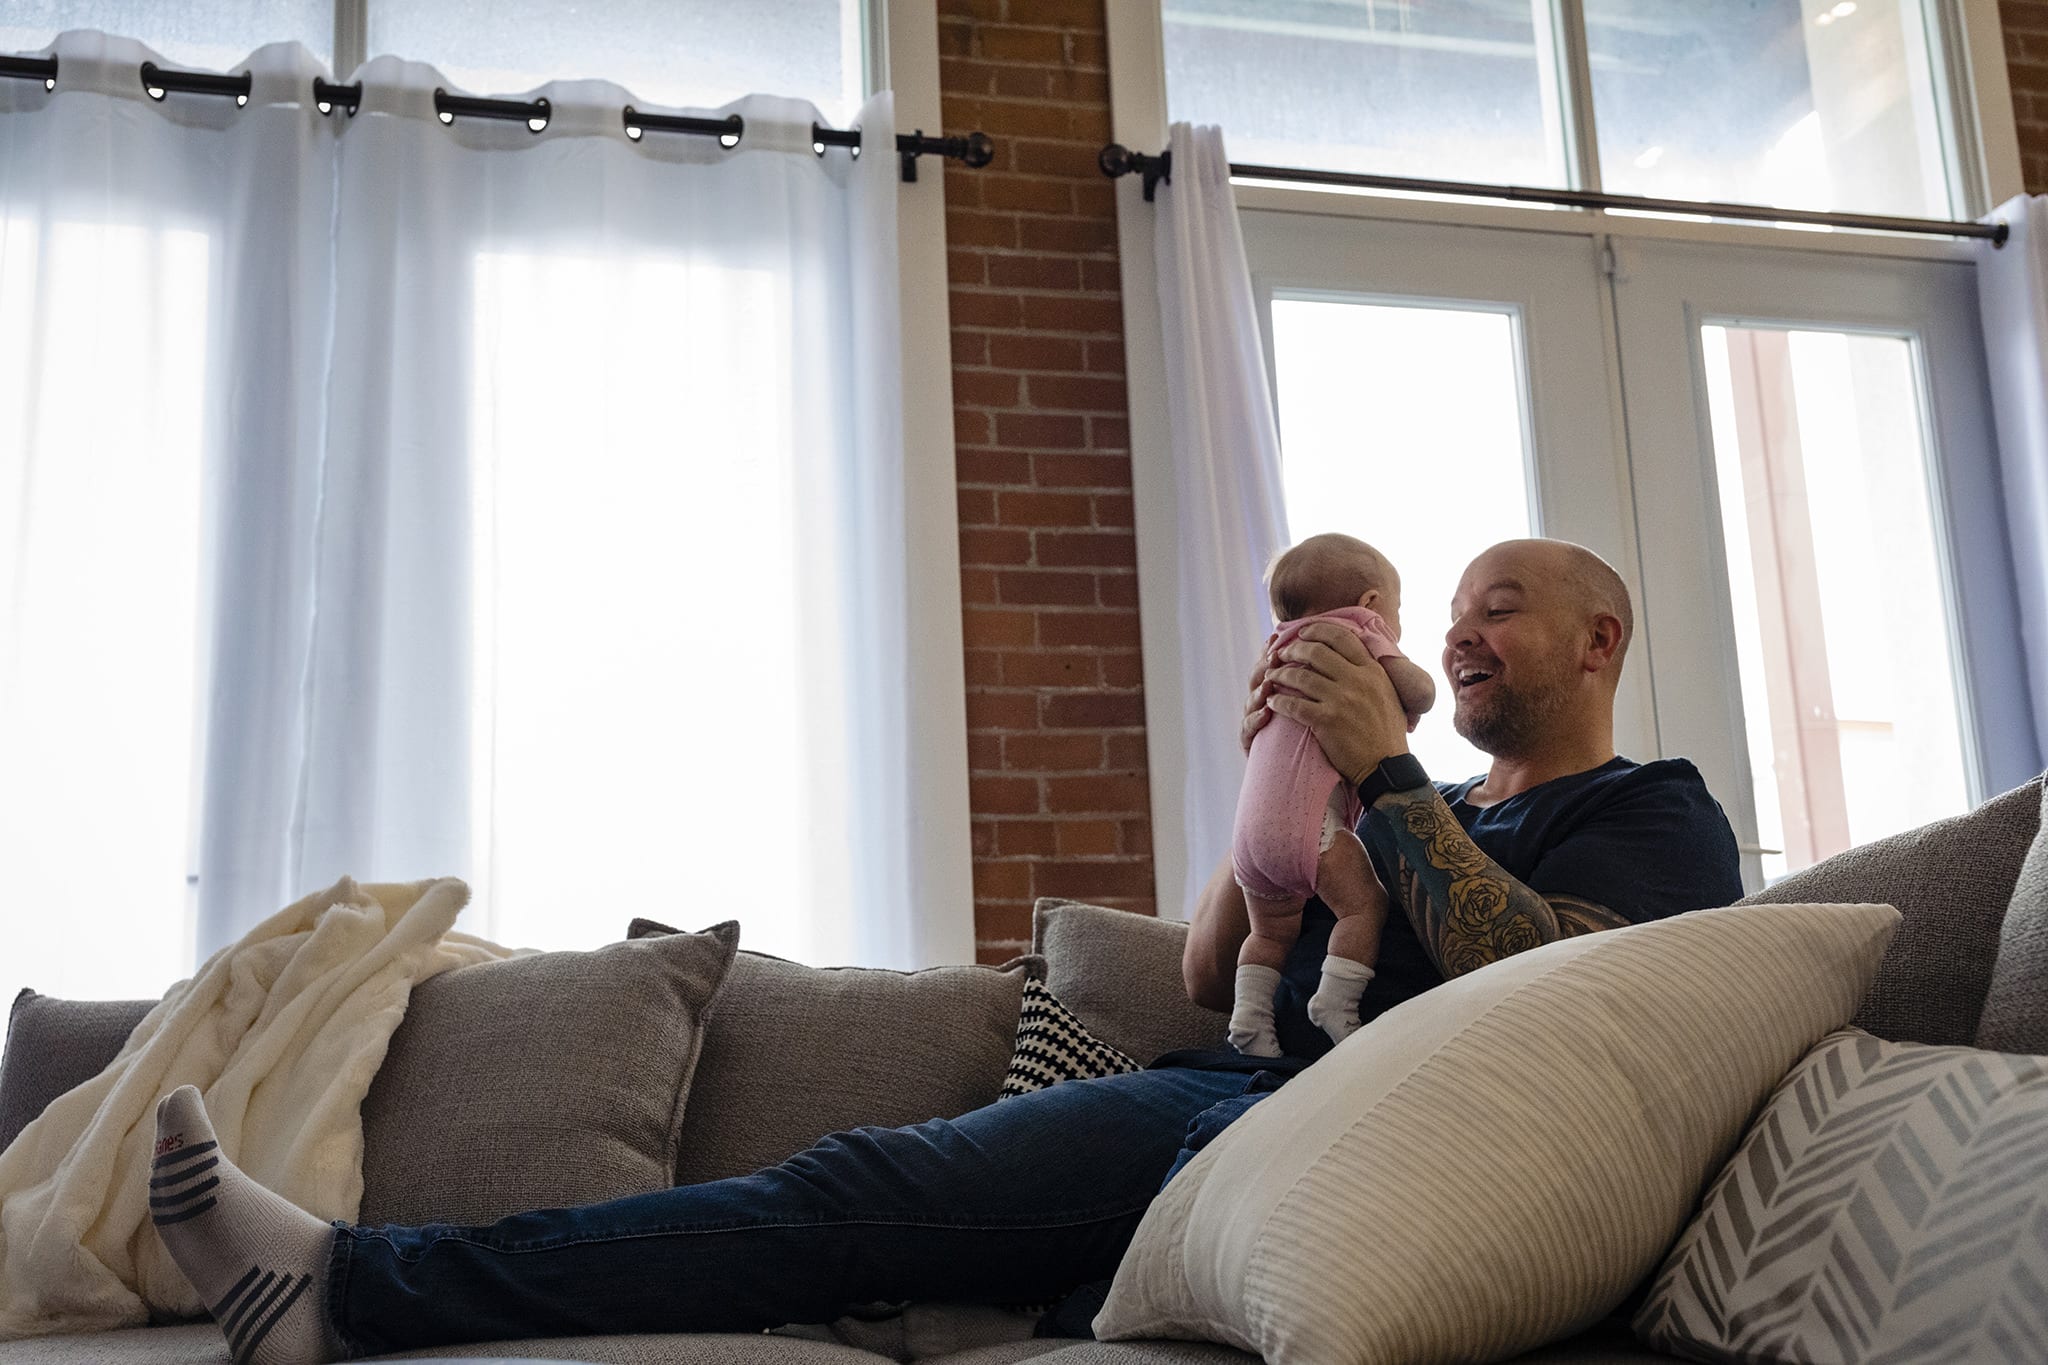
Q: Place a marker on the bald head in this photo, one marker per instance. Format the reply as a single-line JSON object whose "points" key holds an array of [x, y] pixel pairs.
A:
{"points": [[1586, 582]]}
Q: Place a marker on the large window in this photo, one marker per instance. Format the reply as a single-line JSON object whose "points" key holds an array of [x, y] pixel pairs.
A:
{"points": [[1779, 438], [648, 533], [1795, 103], [695, 53]]}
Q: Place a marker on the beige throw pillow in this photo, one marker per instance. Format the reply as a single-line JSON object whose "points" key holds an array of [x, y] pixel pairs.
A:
{"points": [[1494, 1164]]}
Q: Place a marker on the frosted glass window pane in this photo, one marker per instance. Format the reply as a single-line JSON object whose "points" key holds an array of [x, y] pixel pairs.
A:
{"points": [[1834, 577], [1449, 89], [1403, 426], [99, 491], [1817, 104], [698, 53], [211, 35]]}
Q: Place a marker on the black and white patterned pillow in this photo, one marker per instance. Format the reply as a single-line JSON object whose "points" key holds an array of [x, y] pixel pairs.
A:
{"points": [[1053, 1046]]}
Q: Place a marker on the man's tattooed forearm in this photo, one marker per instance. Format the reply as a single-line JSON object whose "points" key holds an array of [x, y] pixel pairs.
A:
{"points": [[1466, 910]]}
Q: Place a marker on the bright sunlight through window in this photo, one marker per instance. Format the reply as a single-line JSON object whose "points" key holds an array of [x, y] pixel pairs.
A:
{"points": [[1841, 628], [1403, 426], [638, 609]]}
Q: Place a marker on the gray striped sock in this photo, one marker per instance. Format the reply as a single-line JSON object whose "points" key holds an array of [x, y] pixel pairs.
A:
{"points": [[257, 1261]]}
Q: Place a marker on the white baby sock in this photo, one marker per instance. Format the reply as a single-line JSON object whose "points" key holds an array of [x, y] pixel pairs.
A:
{"points": [[258, 1261], [1251, 1016], [1334, 1006]]}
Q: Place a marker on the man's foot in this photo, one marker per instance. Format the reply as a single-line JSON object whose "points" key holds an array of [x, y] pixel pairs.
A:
{"points": [[258, 1262], [1251, 1016], [1334, 1006]]}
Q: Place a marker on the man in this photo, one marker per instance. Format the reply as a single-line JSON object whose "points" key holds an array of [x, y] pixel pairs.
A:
{"points": [[1028, 1199]]}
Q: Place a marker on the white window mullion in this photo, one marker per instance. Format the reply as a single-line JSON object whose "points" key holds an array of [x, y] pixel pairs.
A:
{"points": [[1564, 28], [351, 36]]}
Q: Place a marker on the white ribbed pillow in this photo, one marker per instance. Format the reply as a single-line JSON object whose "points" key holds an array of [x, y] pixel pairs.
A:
{"points": [[1495, 1164]]}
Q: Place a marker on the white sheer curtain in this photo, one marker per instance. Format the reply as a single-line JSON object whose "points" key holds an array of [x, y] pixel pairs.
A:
{"points": [[392, 498], [1226, 469], [2012, 296]]}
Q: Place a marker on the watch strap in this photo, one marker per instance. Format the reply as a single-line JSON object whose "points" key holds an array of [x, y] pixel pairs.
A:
{"points": [[1396, 773]]}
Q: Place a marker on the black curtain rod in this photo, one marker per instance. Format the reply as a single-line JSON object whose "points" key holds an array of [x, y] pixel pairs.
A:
{"points": [[157, 83], [972, 149], [1116, 160], [42, 69]]}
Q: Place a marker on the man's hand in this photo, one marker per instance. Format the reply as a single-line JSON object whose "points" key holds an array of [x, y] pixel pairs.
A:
{"points": [[1346, 699], [1255, 713]]}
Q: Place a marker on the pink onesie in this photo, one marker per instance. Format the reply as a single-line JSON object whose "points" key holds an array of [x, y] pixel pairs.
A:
{"points": [[1289, 784]]}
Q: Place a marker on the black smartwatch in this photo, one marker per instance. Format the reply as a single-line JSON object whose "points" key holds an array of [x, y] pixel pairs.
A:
{"points": [[1396, 773]]}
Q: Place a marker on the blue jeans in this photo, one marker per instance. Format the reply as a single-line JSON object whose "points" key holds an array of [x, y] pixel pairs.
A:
{"points": [[1022, 1201]]}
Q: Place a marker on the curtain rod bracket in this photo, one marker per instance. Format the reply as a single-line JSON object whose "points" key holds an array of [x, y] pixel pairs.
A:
{"points": [[1117, 160], [975, 150]]}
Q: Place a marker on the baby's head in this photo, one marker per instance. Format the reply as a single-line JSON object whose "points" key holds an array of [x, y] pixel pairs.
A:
{"points": [[1329, 572]]}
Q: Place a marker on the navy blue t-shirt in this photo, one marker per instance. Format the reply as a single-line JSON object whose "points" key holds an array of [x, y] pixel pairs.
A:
{"points": [[1645, 840]]}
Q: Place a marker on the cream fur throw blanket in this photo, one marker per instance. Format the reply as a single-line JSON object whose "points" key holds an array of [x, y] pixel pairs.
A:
{"points": [[283, 1033]]}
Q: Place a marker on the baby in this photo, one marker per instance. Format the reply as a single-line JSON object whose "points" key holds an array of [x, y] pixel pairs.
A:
{"points": [[1295, 813]]}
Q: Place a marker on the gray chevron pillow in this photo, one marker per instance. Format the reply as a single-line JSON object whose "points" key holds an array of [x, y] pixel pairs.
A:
{"points": [[1889, 1206]]}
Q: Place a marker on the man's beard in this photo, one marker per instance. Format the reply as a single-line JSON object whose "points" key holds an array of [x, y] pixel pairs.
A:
{"points": [[1512, 721]]}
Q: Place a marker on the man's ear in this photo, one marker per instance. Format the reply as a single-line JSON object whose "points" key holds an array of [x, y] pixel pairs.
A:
{"points": [[1603, 639]]}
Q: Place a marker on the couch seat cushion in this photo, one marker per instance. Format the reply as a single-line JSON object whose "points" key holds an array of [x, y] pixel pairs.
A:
{"points": [[202, 1344], [1495, 1164]]}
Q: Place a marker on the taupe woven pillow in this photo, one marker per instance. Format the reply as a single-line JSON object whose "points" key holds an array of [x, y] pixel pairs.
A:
{"points": [[2016, 1007], [1888, 1206], [541, 1081], [57, 1045], [797, 1052], [1951, 881], [1120, 974]]}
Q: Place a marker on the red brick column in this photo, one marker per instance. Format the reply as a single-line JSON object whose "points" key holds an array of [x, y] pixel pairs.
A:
{"points": [[1055, 687], [2026, 65]]}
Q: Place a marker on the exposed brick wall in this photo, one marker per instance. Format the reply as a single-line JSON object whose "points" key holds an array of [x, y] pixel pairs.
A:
{"points": [[2026, 65], [1055, 688]]}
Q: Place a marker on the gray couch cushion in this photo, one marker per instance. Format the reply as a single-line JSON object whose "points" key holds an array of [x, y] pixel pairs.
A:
{"points": [[540, 1081], [1120, 973], [1103, 1353], [1951, 880], [56, 1045], [796, 1052], [683, 1348], [204, 1345], [2016, 1007]]}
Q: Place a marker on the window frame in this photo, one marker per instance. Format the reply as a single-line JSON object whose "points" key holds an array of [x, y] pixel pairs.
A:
{"points": [[1972, 89], [1972, 93]]}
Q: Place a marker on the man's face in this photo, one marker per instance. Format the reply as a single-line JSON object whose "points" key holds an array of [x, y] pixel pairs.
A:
{"points": [[1514, 655]]}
